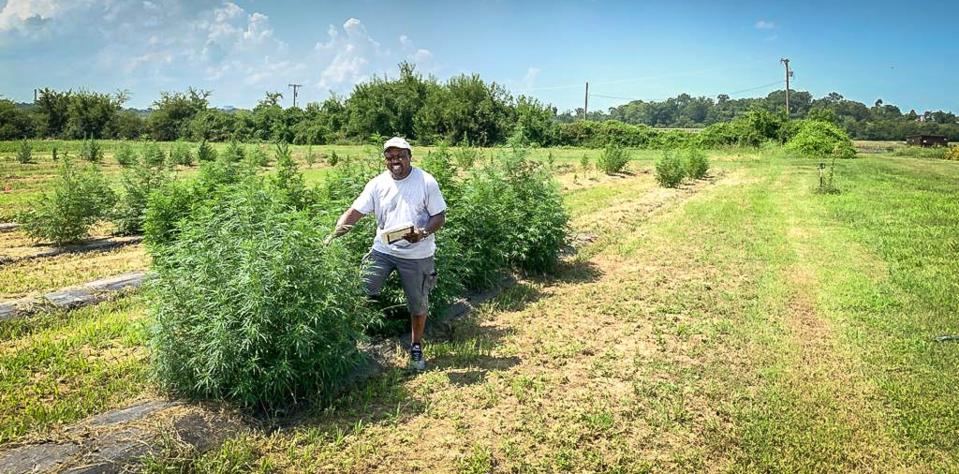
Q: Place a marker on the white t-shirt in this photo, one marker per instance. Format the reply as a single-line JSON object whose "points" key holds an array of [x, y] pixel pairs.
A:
{"points": [[409, 201]]}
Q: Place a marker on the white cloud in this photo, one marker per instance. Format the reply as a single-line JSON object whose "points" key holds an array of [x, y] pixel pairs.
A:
{"points": [[765, 25], [32, 18], [529, 80], [421, 57], [347, 57], [16, 14], [354, 26], [152, 45]]}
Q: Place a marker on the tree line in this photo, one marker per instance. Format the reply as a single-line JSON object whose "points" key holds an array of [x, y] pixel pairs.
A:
{"points": [[881, 121], [463, 110]]}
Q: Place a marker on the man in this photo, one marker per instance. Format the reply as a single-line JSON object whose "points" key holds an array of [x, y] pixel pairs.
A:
{"points": [[402, 197]]}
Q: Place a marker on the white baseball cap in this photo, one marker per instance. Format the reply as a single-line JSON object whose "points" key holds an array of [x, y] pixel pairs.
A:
{"points": [[397, 142]]}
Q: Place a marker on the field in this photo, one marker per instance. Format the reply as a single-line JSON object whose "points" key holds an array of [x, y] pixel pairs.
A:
{"points": [[743, 323]]}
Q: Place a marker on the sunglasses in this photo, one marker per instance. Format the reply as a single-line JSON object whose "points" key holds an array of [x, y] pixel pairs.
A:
{"points": [[395, 156]]}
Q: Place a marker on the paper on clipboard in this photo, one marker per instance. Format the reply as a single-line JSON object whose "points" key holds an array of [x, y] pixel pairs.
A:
{"points": [[395, 234]]}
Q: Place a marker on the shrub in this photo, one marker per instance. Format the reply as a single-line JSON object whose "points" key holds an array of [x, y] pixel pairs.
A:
{"points": [[181, 155], [346, 180], [599, 134], [670, 169], [78, 199], [234, 152], [789, 130], [507, 214], [487, 215], [584, 162], [334, 158], [750, 129], [717, 134], [612, 160], [439, 163], [250, 306], [218, 174], [937, 153], [205, 152], [175, 200], [91, 151], [138, 182], [465, 157], [310, 157], [538, 236], [696, 163], [25, 152], [952, 154], [125, 155], [672, 139], [821, 139], [153, 155], [165, 208], [288, 184], [258, 157]]}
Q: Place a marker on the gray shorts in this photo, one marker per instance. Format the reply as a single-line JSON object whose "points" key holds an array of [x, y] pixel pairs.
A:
{"points": [[418, 276]]}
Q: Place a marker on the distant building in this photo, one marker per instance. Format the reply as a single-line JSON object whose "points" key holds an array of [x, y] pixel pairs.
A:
{"points": [[927, 140]]}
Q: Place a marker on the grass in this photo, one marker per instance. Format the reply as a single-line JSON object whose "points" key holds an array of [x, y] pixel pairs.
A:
{"points": [[52, 273], [746, 324], [60, 367]]}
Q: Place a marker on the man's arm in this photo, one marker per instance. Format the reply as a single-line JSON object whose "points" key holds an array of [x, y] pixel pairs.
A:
{"points": [[345, 223], [434, 224]]}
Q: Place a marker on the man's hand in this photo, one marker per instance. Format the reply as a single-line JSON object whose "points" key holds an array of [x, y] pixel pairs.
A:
{"points": [[416, 236], [344, 224]]}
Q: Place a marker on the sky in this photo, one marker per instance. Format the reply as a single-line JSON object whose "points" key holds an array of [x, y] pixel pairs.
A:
{"points": [[903, 53]]}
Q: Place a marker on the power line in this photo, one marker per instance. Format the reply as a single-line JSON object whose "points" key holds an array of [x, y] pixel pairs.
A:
{"points": [[754, 88], [628, 80], [613, 97], [604, 96]]}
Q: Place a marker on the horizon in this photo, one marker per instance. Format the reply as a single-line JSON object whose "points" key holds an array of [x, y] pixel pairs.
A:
{"points": [[863, 51]]}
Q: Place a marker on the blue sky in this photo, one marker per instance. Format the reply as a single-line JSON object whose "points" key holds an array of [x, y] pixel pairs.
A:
{"points": [[906, 54]]}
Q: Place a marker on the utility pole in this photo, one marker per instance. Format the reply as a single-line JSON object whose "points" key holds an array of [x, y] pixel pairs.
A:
{"points": [[789, 74], [586, 102], [295, 87], [34, 96]]}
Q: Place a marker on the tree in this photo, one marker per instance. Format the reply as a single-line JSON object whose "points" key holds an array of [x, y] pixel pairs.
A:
{"points": [[536, 121], [387, 107], [128, 125], [92, 114], [269, 119], [822, 114], [52, 107], [467, 109], [212, 124], [174, 111], [15, 123]]}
